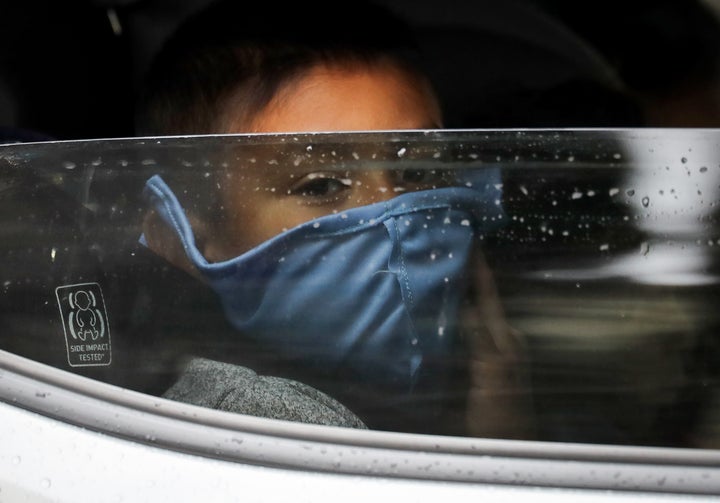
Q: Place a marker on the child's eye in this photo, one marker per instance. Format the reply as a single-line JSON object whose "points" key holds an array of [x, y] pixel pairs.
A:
{"points": [[322, 186]]}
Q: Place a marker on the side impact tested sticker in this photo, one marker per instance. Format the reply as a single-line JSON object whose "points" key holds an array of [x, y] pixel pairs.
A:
{"points": [[85, 322]]}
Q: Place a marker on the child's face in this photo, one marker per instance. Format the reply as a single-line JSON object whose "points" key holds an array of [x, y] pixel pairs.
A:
{"points": [[324, 99]]}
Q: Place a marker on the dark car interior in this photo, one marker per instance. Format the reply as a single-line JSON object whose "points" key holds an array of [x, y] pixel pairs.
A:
{"points": [[71, 69]]}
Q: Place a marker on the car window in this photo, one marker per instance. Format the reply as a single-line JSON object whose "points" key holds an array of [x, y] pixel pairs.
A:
{"points": [[555, 288], [575, 276]]}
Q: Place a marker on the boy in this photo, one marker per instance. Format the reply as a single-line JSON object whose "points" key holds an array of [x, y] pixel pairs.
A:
{"points": [[375, 329]]}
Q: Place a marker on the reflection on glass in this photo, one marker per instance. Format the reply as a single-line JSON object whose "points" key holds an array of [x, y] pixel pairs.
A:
{"points": [[550, 285]]}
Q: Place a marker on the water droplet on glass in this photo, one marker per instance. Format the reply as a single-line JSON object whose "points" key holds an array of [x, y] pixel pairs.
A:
{"points": [[703, 169], [401, 152], [604, 247], [68, 165], [576, 195], [684, 160], [630, 192], [613, 191], [45, 483], [646, 201]]}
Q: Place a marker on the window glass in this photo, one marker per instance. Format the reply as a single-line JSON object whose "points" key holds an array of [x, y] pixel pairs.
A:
{"points": [[538, 285]]}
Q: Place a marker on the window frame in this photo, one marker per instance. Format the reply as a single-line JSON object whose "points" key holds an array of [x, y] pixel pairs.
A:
{"points": [[189, 429]]}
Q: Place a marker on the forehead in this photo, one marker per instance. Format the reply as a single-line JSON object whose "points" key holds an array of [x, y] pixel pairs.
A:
{"points": [[361, 97]]}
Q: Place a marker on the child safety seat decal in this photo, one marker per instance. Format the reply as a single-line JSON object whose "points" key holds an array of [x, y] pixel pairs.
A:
{"points": [[85, 322]]}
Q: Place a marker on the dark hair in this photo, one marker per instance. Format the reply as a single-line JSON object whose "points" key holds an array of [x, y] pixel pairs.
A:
{"points": [[255, 48]]}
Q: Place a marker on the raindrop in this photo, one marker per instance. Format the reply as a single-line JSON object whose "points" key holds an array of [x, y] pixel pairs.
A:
{"points": [[646, 201], [45, 483], [604, 247], [684, 160], [401, 152], [630, 192], [576, 195], [703, 169], [68, 165]]}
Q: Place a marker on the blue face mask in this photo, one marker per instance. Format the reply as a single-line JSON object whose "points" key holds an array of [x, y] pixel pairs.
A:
{"points": [[372, 292]]}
